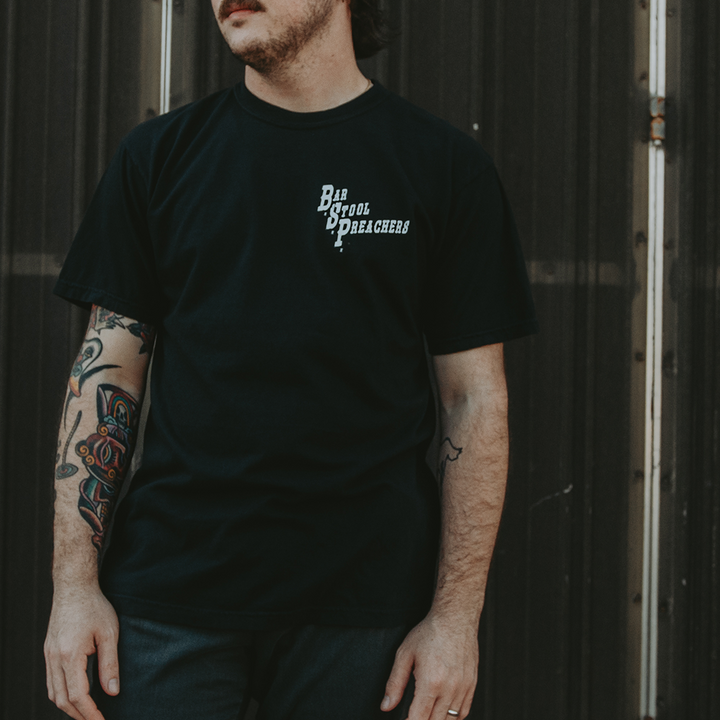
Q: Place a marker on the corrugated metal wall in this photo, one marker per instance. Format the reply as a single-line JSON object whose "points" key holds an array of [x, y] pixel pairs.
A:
{"points": [[549, 89], [689, 619], [526, 81], [556, 91]]}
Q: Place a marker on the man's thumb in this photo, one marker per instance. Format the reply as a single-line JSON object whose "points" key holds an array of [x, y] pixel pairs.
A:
{"points": [[108, 669]]}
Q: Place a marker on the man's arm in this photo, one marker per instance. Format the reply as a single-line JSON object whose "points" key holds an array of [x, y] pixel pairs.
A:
{"points": [[98, 430], [472, 470]]}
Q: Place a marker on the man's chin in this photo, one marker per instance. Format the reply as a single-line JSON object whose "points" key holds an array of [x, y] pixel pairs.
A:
{"points": [[257, 57]]}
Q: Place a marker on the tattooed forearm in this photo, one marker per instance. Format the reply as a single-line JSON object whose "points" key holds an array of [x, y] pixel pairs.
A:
{"points": [[66, 469], [96, 443], [106, 456], [448, 453]]}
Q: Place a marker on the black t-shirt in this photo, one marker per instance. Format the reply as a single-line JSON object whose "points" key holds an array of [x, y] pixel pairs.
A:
{"points": [[293, 264]]}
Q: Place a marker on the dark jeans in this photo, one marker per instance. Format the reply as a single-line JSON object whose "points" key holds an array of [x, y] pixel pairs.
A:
{"points": [[172, 672]]}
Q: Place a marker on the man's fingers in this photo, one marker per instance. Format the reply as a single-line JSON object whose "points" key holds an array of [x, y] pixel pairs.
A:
{"points": [[461, 699], [440, 711], [60, 690], [422, 706], [108, 668], [398, 680], [78, 689], [438, 692]]}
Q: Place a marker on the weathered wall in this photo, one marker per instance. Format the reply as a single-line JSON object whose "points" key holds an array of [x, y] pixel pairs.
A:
{"points": [[689, 618], [552, 89]]}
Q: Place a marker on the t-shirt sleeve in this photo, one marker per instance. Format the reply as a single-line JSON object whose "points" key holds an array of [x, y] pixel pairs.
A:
{"points": [[111, 260], [478, 291]]}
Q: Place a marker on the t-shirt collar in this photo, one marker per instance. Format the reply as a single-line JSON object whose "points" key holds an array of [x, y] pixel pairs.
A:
{"points": [[289, 118]]}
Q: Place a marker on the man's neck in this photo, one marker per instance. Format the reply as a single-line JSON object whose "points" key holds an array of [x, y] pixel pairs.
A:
{"points": [[320, 78]]}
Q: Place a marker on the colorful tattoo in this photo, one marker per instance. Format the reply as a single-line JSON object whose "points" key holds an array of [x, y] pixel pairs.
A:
{"points": [[145, 332], [66, 469], [106, 455], [102, 319], [89, 353], [81, 370], [448, 453]]}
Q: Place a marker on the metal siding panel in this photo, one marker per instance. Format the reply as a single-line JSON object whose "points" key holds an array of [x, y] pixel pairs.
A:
{"points": [[553, 631], [689, 623], [704, 668], [569, 178], [609, 359]]}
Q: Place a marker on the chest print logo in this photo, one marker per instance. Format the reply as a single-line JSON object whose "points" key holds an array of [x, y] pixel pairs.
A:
{"points": [[347, 218]]}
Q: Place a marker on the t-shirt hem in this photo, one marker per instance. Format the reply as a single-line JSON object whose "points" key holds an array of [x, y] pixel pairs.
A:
{"points": [[84, 296], [488, 337], [259, 620]]}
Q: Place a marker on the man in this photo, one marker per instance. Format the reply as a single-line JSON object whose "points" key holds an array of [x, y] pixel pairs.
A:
{"points": [[287, 247]]}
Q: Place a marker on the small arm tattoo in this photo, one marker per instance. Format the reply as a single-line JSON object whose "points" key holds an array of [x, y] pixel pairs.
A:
{"points": [[83, 368], [106, 456], [448, 453], [102, 319], [145, 332]]}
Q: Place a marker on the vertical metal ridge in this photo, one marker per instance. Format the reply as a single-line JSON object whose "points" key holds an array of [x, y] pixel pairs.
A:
{"points": [[593, 199], [79, 160], [166, 55], [476, 87], [442, 31], [104, 90], [653, 380], [404, 71], [498, 84], [498, 153], [80, 114], [499, 138], [533, 112], [38, 505], [5, 262]]}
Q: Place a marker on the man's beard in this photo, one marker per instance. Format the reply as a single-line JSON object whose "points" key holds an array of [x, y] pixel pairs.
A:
{"points": [[268, 56]]}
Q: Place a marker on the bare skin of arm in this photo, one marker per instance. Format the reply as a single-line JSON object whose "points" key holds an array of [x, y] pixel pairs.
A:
{"points": [[442, 651], [97, 436]]}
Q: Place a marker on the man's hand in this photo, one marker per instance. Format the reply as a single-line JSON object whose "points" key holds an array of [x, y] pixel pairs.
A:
{"points": [[81, 625], [444, 654]]}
